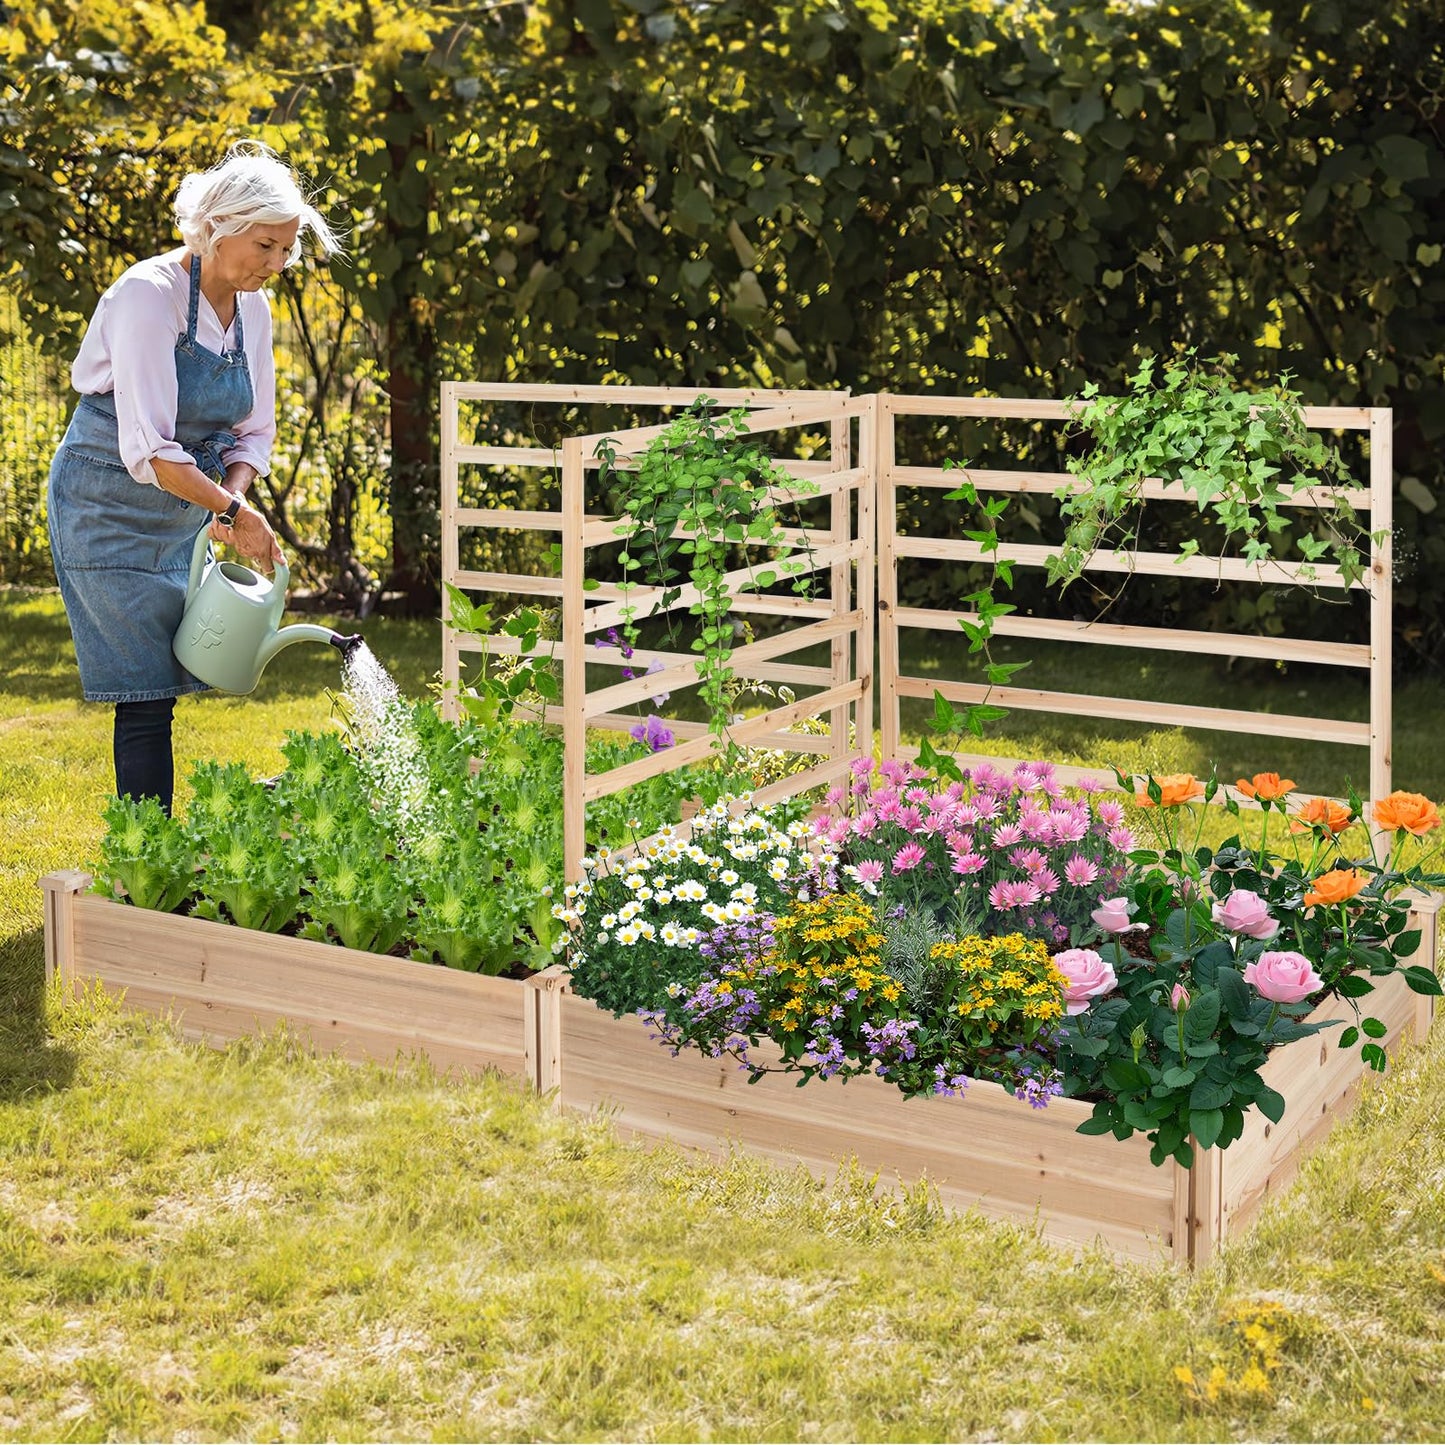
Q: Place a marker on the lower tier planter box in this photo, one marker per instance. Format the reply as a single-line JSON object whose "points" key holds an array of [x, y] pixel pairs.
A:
{"points": [[985, 1150], [221, 983]]}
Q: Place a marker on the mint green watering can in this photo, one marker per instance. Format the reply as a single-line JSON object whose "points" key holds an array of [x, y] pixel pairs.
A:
{"points": [[231, 627]]}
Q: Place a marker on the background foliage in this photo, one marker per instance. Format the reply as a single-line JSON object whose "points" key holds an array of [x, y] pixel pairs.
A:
{"points": [[955, 195]]}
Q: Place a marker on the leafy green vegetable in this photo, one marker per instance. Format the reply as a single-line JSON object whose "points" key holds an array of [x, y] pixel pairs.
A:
{"points": [[146, 856]]}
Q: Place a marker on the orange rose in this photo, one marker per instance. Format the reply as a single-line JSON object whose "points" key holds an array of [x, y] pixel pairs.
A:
{"points": [[1321, 813], [1175, 789], [1266, 787], [1410, 812], [1335, 887]]}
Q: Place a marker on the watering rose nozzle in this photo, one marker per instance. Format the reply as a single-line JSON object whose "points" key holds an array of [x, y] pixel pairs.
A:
{"points": [[347, 646]]}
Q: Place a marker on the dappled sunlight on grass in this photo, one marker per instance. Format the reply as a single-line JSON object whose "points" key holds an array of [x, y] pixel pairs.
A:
{"points": [[257, 1243]]}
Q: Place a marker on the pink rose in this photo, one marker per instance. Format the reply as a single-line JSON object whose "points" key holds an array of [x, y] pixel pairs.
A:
{"points": [[1087, 976], [1112, 915], [1246, 912], [1178, 997], [1283, 977]]}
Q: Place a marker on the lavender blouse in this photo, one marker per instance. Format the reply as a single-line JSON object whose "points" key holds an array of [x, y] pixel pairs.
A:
{"points": [[130, 349]]}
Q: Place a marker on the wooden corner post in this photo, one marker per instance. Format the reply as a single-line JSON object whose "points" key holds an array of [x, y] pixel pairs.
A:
{"points": [[61, 890]]}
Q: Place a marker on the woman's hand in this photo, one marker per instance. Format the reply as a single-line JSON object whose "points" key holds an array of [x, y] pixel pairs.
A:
{"points": [[250, 535]]}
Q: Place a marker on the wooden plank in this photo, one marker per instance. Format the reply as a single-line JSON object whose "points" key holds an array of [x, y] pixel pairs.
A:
{"points": [[1381, 577], [777, 740], [1157, 639], [1048, 484], [771, 722], [986, 1150], [224, 982], [1148, 564], [680, 669], [1327, 418], [563, 394], [1166, 714], [574, 663], [889, 661], [737, 581]]}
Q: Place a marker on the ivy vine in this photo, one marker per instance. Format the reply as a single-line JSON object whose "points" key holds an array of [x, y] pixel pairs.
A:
{"points": [[1241, 456], [699, 491]]}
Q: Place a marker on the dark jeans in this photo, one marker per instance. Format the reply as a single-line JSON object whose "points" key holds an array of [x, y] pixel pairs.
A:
{"points": [[144, 765]]}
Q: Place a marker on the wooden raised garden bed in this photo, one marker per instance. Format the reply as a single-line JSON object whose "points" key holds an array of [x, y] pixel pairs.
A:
{"points": [[985, 1150], [221, 983]]}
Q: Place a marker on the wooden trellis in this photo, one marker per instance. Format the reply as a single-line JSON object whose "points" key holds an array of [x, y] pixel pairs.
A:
{"points": [[840, 553], [895, 551], [863, 464]]}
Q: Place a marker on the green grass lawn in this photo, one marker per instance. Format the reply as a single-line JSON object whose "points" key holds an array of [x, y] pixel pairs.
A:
{"points": [[259, 1244]]}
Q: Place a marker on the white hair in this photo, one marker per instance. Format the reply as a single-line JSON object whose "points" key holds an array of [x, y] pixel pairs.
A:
{"points": [[251, 186]]}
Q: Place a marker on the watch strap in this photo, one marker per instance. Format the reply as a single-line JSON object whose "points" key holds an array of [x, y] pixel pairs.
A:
{"points": [[228, 517]]}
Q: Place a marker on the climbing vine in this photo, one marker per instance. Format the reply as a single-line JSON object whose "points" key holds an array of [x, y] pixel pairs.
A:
{"points": [[699, 490]]}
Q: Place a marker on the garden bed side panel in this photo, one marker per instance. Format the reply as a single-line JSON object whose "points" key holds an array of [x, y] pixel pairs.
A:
{"points": [[1319, 1081], [986, 1150], [220, 983]]}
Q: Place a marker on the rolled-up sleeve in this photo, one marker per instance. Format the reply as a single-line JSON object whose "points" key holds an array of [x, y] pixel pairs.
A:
{"points": [[141, 346], [256, 433]]}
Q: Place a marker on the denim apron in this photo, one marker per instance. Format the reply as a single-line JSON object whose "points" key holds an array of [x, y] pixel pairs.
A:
{"points": [[122, 548]]}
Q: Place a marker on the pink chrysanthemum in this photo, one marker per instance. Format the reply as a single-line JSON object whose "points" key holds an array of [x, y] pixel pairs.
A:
{"points": [[870, 870], [1047, 880], [1080, 871], [908, 857], [1110, 812], [1006, 835], [1028, 859], [1122, 839], [968, 863]]}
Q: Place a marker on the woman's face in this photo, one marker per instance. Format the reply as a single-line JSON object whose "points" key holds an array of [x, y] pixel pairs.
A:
{"points": [[252, 257]]}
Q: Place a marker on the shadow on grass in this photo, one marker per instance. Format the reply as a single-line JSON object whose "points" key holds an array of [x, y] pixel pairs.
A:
{"points": [[30, 1061]]}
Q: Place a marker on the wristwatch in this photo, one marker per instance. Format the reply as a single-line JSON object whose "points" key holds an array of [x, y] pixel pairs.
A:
{"points": [[228, 517]]}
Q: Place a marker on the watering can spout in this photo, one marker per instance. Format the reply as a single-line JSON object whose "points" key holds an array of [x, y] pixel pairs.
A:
{"points": [[346, 645], [306, 632]]}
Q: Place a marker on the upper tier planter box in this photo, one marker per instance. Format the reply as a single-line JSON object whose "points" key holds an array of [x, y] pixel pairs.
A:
{"points": [[222, 983], [985, 1150]]}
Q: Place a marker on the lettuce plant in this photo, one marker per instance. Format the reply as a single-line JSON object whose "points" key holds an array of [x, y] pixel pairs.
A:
{"points": [[146, 856]]}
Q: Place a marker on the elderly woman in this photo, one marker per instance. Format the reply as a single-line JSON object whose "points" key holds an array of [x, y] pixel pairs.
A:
{"points": [[176, 418]]}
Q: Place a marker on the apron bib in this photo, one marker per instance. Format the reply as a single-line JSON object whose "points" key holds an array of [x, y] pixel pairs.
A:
{"points": [[121, 548]]}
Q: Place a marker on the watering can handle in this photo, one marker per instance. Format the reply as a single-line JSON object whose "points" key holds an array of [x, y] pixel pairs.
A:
{"points": [[198, 563]]}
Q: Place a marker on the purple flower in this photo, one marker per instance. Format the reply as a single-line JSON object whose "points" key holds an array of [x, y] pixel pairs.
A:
{"points": [[653, 732]]}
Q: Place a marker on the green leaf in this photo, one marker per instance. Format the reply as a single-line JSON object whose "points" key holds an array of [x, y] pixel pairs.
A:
{"points": [[1202, 1017], [1205, 1125], [1270, 1103], [1353, 985], [1236, 995], [1421, 979], [1373, 1028], [1207, 1095]]}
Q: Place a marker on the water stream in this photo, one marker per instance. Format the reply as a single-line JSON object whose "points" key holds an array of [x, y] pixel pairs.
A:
{"points": [[389, 752]]}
